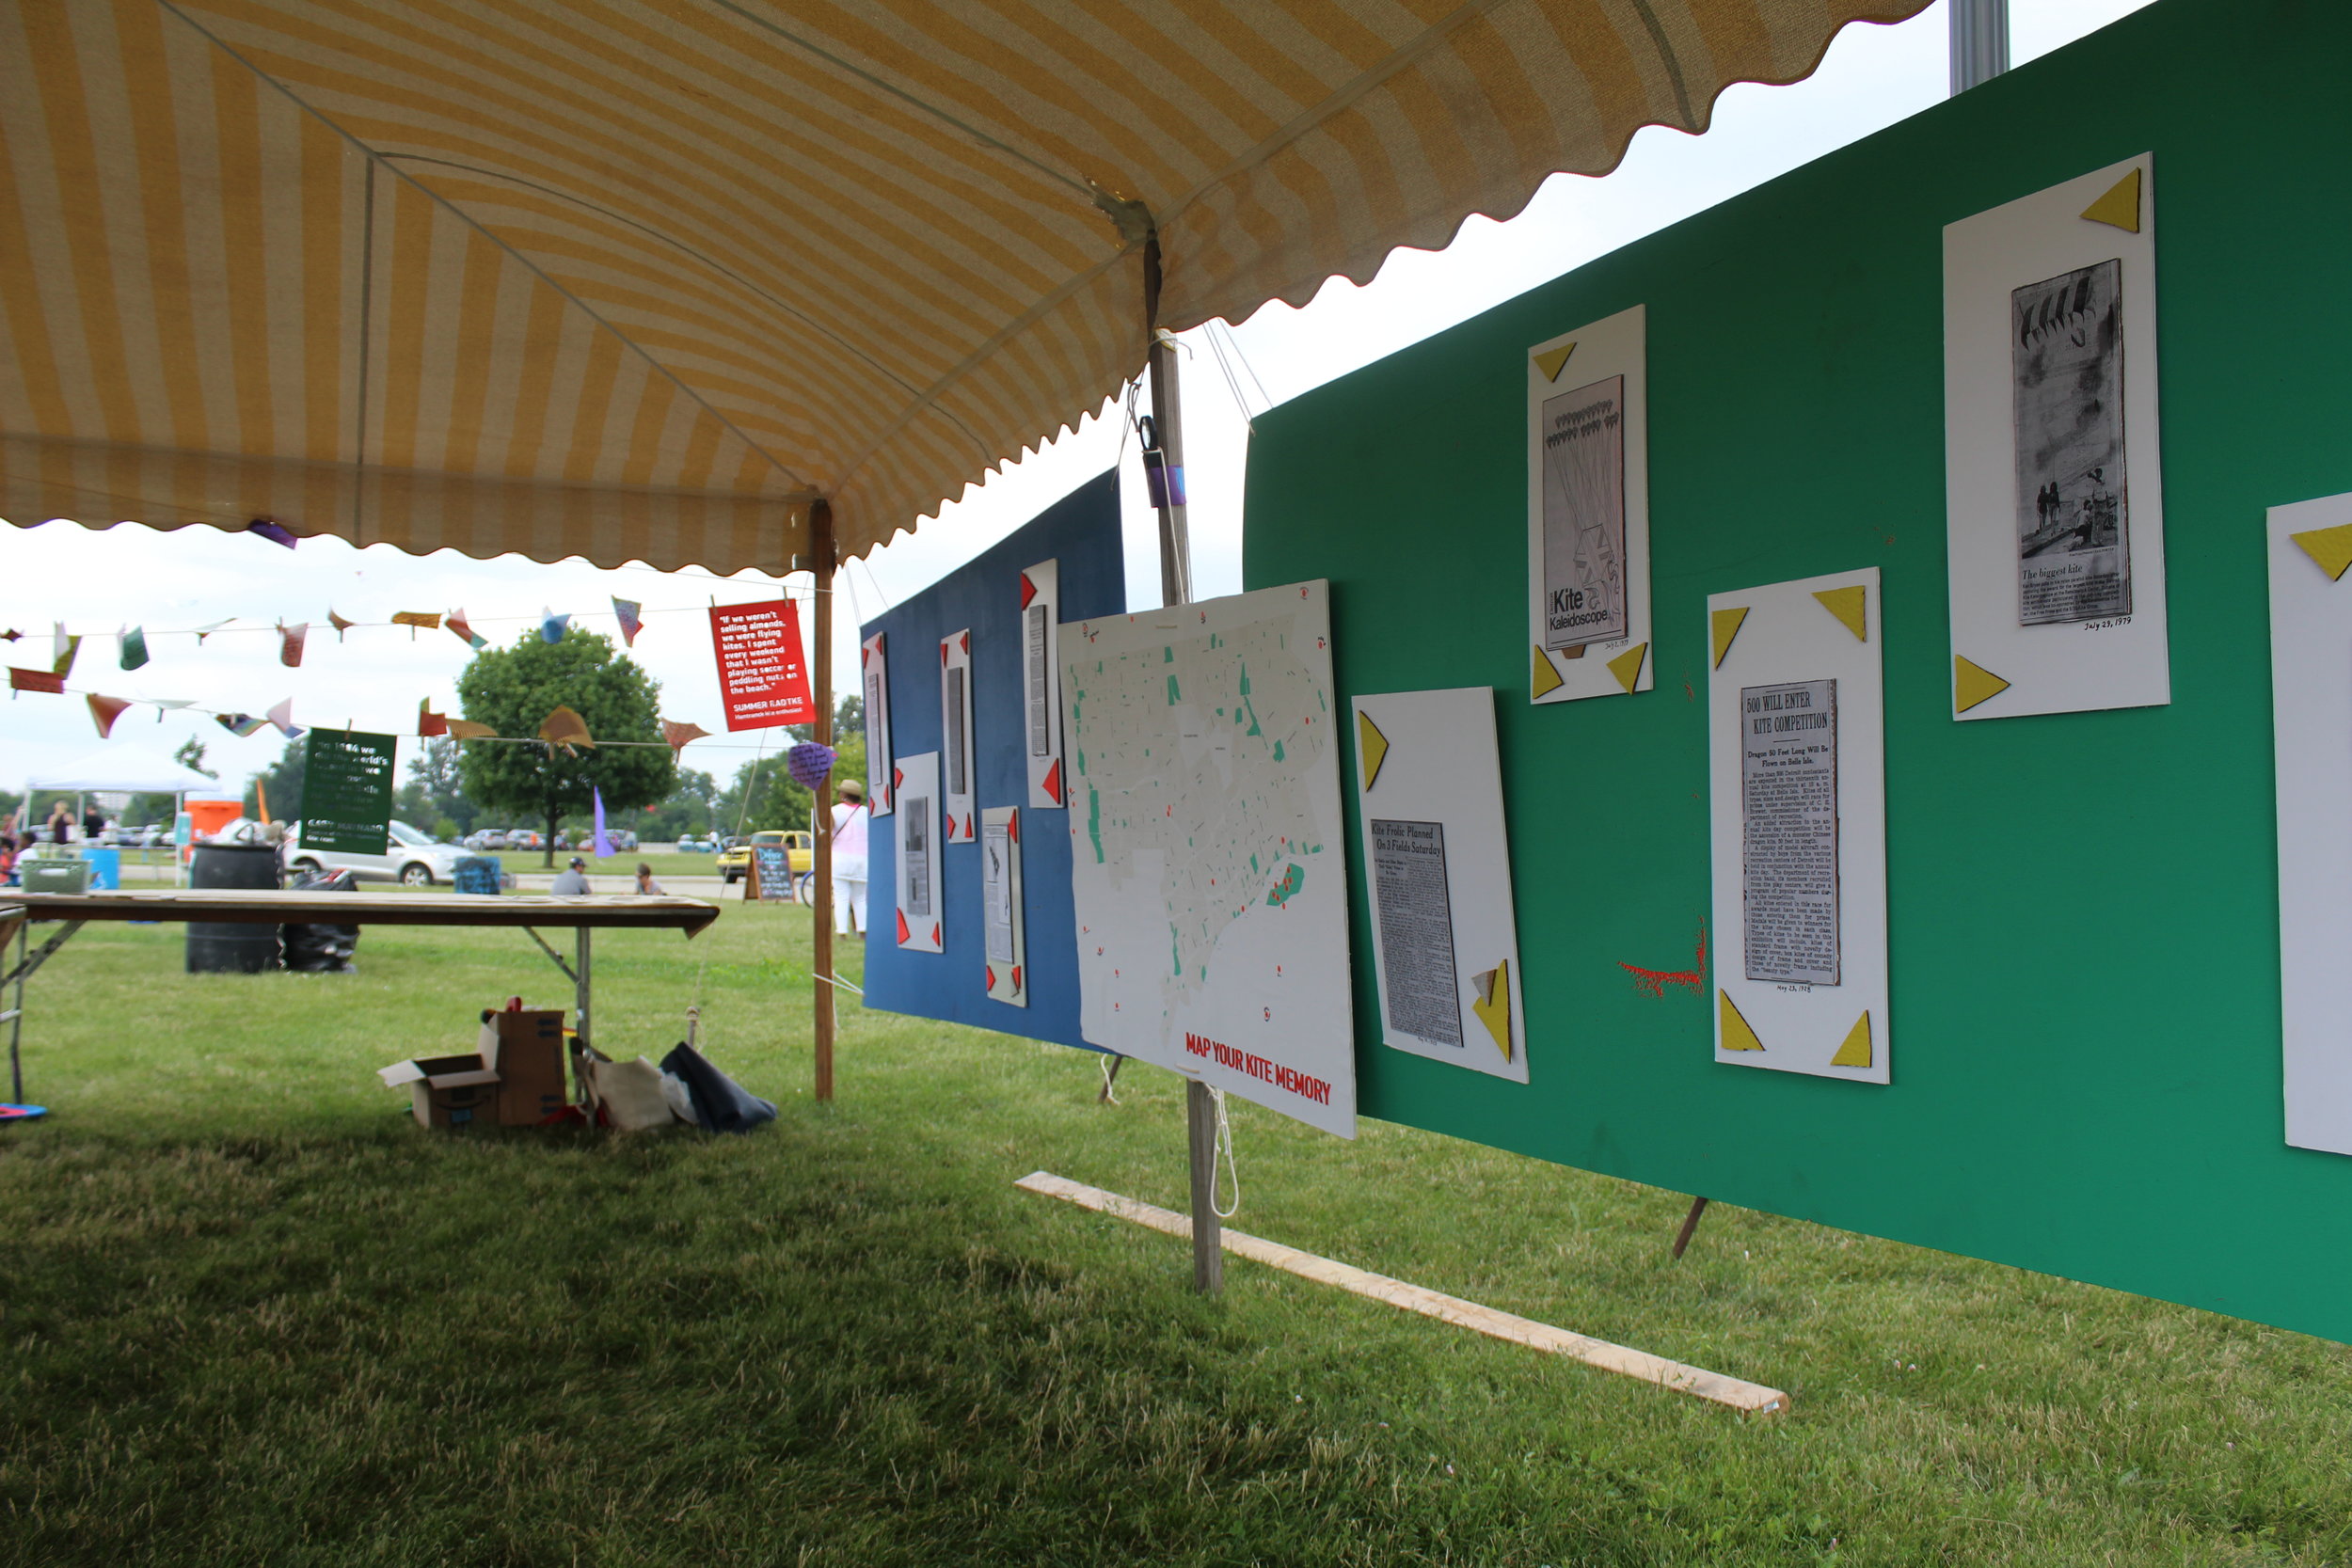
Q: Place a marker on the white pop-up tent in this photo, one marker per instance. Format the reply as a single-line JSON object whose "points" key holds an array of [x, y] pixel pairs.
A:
{"points": [[126, 770]]}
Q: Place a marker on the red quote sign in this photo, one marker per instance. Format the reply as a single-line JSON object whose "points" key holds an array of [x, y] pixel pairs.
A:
{"points": [[763, 676]]}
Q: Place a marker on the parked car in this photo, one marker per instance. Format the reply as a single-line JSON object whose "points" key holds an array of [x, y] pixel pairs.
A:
{"points": [[525, 838], [623, 841], [735, 861], [414, 859], [690, 844], [484, 840]]}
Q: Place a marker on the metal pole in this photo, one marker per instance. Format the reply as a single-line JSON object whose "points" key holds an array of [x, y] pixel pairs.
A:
{"points": [[1979, 42], [822, 561], [580, 959], [15, 1015], [1164, 465]]}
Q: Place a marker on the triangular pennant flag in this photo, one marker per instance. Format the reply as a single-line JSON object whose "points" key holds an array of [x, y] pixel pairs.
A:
{"points": [[2330, 547], [203, 632], [1737, 1034], [67, 649], [1626, 665], [239, 724], [1724, 624], [1371, 748], [428, 722], [1857, 1051], [34, 680], [680, 734], [1552, 360], [103, 711], [1493, 1005], [282, 715], [457, 623], [2119, 206], [626, 611], [1850, 605], [466, 729], [601, 843], [565, 728], [551, 625], [290, 640], [430, 620], [131, 647], [340, 624], [1972, 683], [1547, 679], [12, 635]]}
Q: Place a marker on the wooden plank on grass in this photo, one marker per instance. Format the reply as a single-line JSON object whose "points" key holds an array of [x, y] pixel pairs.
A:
{"points": [[1695, 1381]]}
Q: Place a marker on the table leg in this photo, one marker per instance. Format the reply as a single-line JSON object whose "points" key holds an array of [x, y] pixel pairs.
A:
{"points": [[579, 991]]}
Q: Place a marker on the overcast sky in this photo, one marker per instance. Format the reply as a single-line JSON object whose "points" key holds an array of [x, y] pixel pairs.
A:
{"points": [[97, 581]]}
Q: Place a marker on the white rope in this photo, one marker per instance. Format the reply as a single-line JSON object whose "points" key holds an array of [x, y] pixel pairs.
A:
{"points": [[1224, 1142], [1110, 1080]]}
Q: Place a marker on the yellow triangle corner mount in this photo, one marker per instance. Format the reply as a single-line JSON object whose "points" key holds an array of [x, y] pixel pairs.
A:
{"points": [[1851, 606], [2331, 547], [1552, 360], [2119, 206], [1493, 1005], [1736, 1036], [1857, 1051], [1972, 683], [1371, 746], [1724, 624], [1547, 678], [1626, 665]]}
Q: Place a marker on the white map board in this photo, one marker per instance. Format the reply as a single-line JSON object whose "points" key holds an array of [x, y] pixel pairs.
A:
{"points": [[1437, 869], [1588, 511], [2311, 663], [1797, 812], [914, 781], [1206, 870], [2054, 491]]}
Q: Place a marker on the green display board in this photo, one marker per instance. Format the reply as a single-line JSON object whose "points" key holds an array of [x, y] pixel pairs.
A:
{"points": [[2082, 908], [348, 791]]}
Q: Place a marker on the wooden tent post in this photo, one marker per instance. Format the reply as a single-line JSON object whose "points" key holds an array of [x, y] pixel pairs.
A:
{"points": [[822, 562], [1164, 462]]}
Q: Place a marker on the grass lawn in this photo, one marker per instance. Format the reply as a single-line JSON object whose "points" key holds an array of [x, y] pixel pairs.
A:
{"points": [[253, 1314]]}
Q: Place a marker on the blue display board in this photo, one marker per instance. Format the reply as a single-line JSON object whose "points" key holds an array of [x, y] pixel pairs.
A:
{"points": [[1082, 532]]}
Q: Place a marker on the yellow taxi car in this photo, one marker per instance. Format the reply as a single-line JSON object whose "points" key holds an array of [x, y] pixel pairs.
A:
{"points": [[735, 862]]}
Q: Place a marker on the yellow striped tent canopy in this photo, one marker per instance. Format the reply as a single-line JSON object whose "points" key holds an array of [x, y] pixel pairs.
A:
{"points": [[636, 279]]}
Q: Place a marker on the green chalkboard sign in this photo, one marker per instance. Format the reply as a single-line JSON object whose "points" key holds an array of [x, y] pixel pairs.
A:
{"points": [[348, 791], [2082, 908], [772, 871]]}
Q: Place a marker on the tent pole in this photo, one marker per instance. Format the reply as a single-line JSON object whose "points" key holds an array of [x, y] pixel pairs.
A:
{"points": [[1164, 468], [822, 561]]}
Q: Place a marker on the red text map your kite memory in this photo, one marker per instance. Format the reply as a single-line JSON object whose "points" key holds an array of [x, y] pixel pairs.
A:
{"points": [[1204, 821]]}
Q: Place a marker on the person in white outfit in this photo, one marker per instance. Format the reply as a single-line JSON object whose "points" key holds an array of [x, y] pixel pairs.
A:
{"points": [[849, 819]]}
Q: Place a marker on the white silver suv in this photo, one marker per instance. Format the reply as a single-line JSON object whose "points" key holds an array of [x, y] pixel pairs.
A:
{"points": [[410, 857]]}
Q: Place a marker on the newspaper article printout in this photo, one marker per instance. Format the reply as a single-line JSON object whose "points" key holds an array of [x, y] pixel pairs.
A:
{"points": [[996, 889], [917, 869], [2066, 355], [1409, 878], [1789, 841], [1584, 567], [1040, 694]]}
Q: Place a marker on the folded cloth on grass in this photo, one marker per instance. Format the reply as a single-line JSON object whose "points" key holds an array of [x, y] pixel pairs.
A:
{"points": [[721, 1104]]}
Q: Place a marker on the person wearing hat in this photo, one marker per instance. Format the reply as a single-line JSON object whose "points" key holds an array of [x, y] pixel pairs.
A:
{"points": [[573, 881], [849, 820]]}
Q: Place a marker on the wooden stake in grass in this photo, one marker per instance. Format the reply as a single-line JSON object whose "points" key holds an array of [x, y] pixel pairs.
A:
{"points": [[1695, 1381]]}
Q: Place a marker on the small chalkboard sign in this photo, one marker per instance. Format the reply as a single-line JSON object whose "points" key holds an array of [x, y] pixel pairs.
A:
{"points": [[772, 872], [348, 791]]}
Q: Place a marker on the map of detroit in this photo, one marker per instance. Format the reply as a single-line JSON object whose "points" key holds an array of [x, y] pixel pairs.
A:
{"points": [[1204, 820]]}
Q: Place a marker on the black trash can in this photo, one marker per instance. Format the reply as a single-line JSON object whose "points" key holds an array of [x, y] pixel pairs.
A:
{"points": [[233, 947]]}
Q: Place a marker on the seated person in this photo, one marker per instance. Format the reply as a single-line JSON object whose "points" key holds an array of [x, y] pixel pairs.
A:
{"points": [[573, 881], [646, 886]]}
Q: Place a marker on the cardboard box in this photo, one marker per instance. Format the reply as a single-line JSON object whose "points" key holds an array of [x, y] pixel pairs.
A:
{"points": [[447, 1091], [525, 1051]]}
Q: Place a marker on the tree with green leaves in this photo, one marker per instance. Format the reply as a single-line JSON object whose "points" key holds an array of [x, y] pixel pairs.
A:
{"points": [[283, 781], [191, 755], [514, 690], [434, 798]]}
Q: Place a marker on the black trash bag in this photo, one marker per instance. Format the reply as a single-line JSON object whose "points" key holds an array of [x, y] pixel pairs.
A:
{"points": [[721, 1104], [322, 949]]}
